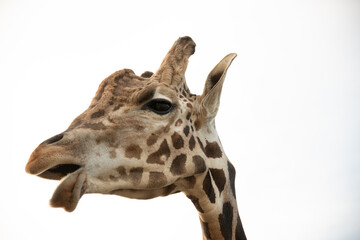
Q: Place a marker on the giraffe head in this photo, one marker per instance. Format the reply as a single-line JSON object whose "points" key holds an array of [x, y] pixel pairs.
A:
{"points": [[141, 137]]}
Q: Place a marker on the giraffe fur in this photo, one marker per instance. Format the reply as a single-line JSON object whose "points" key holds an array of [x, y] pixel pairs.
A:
{"points": [[148, 136]]}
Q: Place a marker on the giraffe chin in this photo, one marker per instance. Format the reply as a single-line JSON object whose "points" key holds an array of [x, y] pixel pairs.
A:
{"points": [[70, 190], [144, 194]]}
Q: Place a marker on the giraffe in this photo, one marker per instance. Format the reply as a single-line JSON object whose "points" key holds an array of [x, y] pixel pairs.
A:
{"points": [[147, 136]]}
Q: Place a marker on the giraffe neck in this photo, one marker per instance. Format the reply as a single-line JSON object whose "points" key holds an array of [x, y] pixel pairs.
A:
{"points": [[217, 206]]}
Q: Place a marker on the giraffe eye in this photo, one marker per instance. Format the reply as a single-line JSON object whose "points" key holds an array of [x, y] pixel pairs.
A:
{"points": [[159, 106]]}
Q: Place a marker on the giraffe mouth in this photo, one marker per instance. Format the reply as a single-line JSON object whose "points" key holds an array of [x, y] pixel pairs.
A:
{"points": [[59, 171]]}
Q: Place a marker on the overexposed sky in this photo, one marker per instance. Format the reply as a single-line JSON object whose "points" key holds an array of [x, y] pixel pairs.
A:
{"points": [[289, 118]]}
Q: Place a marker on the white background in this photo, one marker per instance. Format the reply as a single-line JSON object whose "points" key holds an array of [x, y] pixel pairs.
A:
{"points": [[289, 118]]}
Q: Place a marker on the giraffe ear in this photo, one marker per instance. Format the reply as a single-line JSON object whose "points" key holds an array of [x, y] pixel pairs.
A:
{"points": [[210, 99]]}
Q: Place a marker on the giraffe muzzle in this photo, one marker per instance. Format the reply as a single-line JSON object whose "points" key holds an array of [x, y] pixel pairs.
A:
{"points": [[42, 164], [50, 160]]}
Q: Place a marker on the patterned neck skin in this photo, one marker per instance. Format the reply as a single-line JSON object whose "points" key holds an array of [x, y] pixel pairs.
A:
{"points": [[148, 136], [214, 194]]}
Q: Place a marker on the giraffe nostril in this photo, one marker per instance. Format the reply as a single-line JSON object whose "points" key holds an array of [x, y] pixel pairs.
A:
{"points": [[54, 139]]}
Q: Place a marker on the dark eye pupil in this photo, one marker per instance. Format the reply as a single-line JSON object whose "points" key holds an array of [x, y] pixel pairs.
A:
{"points": [[160, 106]]}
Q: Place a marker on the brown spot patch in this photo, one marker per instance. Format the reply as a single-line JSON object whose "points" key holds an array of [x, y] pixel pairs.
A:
{"points": [[98, 114], [134, 175], [169, 189], [111, 101], [161, 155], [219, 178], [197, 124], [188, 116], [239, 232], [225, 220], [201, 145], [178, 122], [110, 138], [199, 163], [183, 92], [133, 151], [157, 180], [196, 203], [212, 150], [178, 165], [189, 182], [186, 130], [189, 105], [121, 170], [152, 139], [178, 141], [232, 173], [192, 143], [205, 228], [208, 187], [138, 127]]}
